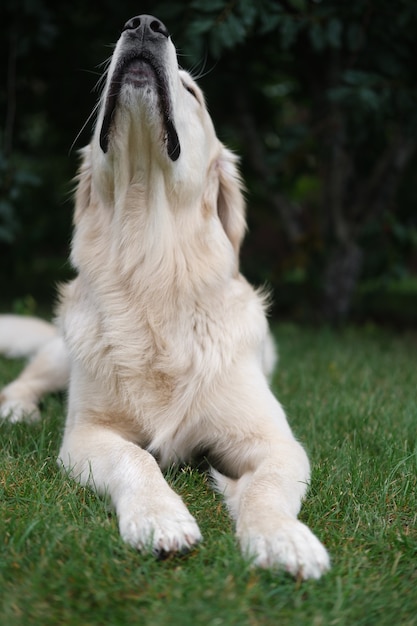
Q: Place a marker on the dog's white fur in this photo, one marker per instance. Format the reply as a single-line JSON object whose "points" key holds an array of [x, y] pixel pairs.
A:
{"points": [[166, 343]]}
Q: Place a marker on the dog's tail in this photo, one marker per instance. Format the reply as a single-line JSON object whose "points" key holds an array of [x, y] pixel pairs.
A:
{"points": [[22, 336]]}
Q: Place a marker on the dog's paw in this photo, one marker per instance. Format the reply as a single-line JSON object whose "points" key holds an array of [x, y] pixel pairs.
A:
{"points": [[12, 410], [290, 546], [162, 528]]}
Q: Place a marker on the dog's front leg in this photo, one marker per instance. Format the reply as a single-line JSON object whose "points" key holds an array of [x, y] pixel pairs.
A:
{"points": [[265, 502], [151, 515]]}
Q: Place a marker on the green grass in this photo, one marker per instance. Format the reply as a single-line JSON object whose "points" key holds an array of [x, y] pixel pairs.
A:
{"points": [[351, 398]]}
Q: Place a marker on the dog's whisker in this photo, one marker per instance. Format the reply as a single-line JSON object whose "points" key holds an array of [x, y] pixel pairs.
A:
{"points": [[89, 118]]}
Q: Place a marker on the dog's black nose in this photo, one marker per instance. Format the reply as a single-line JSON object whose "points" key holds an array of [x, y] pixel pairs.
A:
{"points": [[146, 24]]}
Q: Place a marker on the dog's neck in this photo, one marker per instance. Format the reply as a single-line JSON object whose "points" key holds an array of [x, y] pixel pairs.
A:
{"points": [[143, 216], [136, 161]]}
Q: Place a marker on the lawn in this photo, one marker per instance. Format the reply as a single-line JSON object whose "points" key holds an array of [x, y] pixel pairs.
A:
{"points": [[351, 398]]}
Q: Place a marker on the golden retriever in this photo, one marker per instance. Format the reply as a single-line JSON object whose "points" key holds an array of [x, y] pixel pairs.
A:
{"points": [[164, 343]]}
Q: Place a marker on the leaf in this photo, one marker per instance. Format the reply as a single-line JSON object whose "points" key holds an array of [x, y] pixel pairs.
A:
{"points": [[199, 27], [354, 36], [214, 6], [8, 224], [289, 29], [360, 77], [226, 35], [248, 12], [270, 13], [334, 32], [369, 97], [317, 37]]}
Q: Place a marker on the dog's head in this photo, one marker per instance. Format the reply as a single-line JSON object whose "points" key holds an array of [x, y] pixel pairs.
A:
{"points": [[153, 128], [142, 68]]}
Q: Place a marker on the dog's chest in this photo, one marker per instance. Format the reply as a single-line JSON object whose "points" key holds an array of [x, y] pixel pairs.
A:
{"points": [[161, 359], [191, 347], [172, 371], [144, 352]]}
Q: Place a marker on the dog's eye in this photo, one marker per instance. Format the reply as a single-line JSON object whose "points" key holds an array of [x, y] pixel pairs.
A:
{"points": [[191, 91]]}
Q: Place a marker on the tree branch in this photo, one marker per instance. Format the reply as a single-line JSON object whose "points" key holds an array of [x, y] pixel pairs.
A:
{"points": [[337, 162]]}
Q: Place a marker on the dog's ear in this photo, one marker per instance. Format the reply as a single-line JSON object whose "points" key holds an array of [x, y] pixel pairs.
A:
{"points": [[83, 182], [230, 200]]}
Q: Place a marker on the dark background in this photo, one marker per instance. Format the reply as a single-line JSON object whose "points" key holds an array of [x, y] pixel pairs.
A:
{"points": [[318, 97]]}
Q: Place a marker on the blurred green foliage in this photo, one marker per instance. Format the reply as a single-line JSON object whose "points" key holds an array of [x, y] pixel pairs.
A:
{"points": [[319, 98]]}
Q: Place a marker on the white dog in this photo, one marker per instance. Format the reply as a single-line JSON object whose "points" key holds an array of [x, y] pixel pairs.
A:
{"points": [[165, 345]]}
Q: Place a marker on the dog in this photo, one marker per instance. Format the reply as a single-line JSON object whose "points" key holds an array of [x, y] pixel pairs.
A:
{"points": [[163, 344]]}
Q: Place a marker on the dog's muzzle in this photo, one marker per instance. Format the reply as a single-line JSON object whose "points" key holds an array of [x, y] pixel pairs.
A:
{"points": [[141, 63]]}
